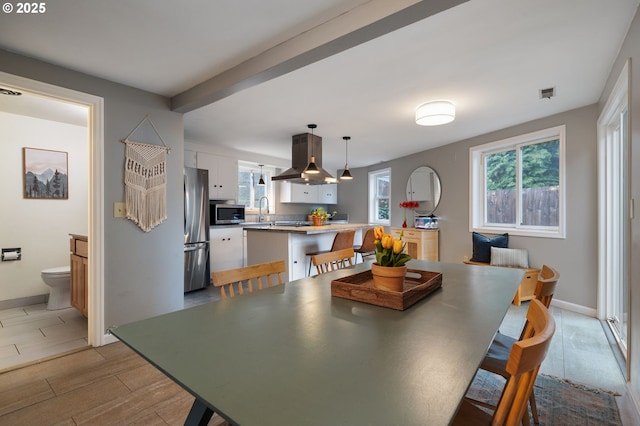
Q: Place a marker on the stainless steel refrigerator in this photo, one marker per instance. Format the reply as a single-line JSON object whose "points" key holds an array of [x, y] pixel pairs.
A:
{"points": [[196, 229]]}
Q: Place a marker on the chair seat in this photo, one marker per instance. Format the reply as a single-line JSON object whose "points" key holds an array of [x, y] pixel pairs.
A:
{"points": [[496, 359]]}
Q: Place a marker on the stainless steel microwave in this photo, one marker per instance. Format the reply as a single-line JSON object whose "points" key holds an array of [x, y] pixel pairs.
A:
{"points": [[225, 214]]}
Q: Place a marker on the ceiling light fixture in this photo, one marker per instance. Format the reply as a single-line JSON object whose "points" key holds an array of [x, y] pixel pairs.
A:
{"points": [[261, 181], [312, 168], [346, 174], [435, 113]]}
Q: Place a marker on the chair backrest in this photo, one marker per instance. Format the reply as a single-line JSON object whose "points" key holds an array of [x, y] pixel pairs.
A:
{"points": [[333, 260], [547, 281], [523, 364], [546, 286], [343, 240], [368, 242], [226, 279]]}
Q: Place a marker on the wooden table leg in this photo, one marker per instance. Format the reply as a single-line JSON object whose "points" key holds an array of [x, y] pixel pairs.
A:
{"points": [[199, 415]]}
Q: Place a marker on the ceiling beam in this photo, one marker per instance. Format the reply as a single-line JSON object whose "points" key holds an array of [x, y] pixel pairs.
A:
{"points": [[359, 25]]}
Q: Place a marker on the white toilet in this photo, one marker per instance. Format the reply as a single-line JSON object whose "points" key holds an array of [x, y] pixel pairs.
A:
{"points": [[59, 279]]}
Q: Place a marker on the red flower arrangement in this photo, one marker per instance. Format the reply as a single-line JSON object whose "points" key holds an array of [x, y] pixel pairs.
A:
{"points": [[408, 205]]}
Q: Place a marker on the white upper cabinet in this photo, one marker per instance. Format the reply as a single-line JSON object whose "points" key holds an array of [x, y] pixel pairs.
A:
{"points": [[328, 194], [223, 175], [310, 194], [295, 193]]}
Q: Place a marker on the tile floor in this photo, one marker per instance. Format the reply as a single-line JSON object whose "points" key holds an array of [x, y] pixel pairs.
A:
{"points": [[580, 350], [32, 332]]}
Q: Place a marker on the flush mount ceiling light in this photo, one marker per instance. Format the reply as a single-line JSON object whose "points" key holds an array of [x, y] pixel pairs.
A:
{"points": [[346, 174], [312, 168], [435, 113], [261, 181]]}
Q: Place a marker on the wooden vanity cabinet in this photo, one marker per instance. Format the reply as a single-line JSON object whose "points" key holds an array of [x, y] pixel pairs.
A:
{"points": [[79, 248], [422, 244]]}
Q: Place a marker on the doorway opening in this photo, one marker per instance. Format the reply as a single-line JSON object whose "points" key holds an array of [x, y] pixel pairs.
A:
{"points": [[95, 137]]}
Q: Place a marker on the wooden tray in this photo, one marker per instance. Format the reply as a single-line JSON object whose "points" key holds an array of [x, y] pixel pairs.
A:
{"points": [[417, 285]]}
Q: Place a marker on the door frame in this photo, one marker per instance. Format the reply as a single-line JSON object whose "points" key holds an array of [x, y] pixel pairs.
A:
{"points": [[95, 106], [620, 94]]}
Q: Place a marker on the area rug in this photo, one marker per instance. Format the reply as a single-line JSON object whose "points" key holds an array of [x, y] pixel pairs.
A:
{"points": [[559, 402]]}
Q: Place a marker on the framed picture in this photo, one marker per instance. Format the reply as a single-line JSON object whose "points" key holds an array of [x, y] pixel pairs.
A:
{"points": [[45, 174]]}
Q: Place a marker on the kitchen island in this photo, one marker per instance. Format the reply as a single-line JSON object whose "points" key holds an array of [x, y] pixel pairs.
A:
{"points": [[267, 243]]}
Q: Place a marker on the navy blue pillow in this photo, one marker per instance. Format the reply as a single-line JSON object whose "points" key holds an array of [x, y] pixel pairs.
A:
{"points": [[482, 246]]}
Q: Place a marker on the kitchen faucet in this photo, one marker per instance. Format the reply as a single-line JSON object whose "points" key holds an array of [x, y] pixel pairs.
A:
{"points": [[260, 216]]}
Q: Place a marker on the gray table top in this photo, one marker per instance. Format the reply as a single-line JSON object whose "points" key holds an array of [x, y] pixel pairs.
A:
{"points": [[294, 355]]}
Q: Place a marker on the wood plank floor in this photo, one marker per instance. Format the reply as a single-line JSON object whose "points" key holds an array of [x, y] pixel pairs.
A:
{"points": [[109, 385]]}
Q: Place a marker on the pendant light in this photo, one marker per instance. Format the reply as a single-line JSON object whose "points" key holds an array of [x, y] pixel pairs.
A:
{"points": [[261, 181], [346, 174], [312, 169]]}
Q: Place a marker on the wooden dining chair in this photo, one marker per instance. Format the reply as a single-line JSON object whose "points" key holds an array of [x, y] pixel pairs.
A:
{"points": [[333, 260], [368, 246], [498, 354], [522, 366], [252, 274], [342, 240]]}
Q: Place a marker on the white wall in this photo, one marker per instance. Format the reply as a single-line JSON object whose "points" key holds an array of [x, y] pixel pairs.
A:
{"points": [[40, 227]]}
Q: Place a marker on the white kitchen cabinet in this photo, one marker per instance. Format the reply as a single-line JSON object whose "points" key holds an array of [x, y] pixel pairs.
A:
{"points": [[308, 194], [226, 247], [297, 193], [190, 158], [223, 175], [328, 194]]}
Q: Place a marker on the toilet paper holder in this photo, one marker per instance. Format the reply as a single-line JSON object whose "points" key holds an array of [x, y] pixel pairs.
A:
{"points": [[10, 254]]}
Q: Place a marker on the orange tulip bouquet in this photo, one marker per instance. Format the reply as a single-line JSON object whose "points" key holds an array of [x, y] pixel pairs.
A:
{"points": [[389, 251]]}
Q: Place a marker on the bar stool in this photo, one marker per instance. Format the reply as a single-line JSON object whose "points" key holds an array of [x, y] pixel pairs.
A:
{"points": [[368, 246], [342, 240]]}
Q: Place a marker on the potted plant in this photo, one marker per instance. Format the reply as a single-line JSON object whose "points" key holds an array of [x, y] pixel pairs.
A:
{"points": [[390, 268], [320, 216]]}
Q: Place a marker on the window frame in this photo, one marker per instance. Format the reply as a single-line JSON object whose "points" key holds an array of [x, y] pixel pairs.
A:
{"points": [[268, 171], [477, 192], [373, 196]]}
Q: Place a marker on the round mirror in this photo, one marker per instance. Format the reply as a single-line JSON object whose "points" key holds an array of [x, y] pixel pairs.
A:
{"points": [[424, 186]]}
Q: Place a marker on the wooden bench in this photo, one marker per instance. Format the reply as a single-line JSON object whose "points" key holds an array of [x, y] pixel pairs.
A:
{"points": [[527, 285]]}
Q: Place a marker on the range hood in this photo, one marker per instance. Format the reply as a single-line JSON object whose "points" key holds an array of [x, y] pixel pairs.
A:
{"points": [[303, 147]]}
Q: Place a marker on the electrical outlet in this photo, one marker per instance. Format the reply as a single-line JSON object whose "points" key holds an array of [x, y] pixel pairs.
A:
{"points": [[119, 209]]}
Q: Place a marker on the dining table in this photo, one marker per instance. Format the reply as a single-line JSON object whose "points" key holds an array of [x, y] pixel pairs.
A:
{"points": [[293, 354]]}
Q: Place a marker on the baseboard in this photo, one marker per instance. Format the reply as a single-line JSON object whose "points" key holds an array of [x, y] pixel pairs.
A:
{"points": [[108, 338], [24, 301], [579, 309]]}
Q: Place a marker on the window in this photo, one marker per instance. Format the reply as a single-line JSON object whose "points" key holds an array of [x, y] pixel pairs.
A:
{"points": [[379, 196], [517, 185], [249, 192]]}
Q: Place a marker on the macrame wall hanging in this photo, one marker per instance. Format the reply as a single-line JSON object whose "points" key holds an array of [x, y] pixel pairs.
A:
{"points": [[145, 180]]}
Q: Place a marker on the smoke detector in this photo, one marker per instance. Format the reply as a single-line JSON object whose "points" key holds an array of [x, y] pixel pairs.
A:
{"points": [[547, 93]]}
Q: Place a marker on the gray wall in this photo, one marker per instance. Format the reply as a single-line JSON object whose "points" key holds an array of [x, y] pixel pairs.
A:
{"points": [[142, 271], [631, 50], [575, 257]]}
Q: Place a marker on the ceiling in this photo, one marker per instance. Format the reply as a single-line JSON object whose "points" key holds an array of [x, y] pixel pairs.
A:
{"points": [[250, 74]]}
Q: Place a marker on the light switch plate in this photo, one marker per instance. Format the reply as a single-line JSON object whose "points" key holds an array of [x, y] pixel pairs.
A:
{"points": [[119, 209]]}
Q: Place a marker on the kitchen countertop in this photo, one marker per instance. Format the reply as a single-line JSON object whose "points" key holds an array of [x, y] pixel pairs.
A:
{"points": [[307, 230]]}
